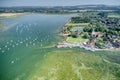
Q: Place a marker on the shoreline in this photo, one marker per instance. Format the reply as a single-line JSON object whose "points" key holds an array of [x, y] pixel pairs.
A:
{"points": [[61, 32]]}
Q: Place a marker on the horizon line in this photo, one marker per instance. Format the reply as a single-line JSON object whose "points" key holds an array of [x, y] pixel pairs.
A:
{"points": [[64, 5]]}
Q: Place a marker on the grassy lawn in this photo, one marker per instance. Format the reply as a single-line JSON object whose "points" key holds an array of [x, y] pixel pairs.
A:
{"points": [[88, 14], [77, 24], [114, 15], [78, 40]]}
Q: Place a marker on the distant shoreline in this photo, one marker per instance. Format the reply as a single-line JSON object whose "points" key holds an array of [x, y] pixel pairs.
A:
{"points": [[7, 15]]}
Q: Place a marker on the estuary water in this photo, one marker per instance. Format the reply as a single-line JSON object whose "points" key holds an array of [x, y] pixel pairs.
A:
{"points": [[25, 40]]}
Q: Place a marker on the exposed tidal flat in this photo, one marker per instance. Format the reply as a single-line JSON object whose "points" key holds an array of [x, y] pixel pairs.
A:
{"points": [[9, 15], [27, 52]]}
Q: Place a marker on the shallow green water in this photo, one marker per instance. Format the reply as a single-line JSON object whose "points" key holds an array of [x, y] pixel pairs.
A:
{"points": [[23, 40]]}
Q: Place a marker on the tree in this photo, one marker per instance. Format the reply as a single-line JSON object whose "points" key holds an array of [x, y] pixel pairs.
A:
{"points": [[74, 35], [80, 20], [86, 35], [103, 14]]}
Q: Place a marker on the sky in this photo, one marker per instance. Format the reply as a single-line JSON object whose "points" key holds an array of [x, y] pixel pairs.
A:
{"points": [[10, 3]]}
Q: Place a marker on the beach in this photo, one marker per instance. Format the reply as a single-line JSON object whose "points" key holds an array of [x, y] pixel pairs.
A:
{"points": [[10, 14]]}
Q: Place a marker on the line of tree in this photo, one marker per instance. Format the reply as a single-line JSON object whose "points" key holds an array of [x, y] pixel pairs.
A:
{"points": [[80, 20]]}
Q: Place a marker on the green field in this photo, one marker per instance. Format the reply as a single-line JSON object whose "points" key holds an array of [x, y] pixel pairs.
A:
{"points": [[115, 15], [89, 14], [78, 64], [76, 40], [76, 24]]}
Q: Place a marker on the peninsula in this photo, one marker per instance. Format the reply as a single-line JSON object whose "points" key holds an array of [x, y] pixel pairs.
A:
{"points": [[92, 31]]}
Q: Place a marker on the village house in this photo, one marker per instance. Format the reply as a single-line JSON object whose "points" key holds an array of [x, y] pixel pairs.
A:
{"points": [[77, 30], [96, 34]]}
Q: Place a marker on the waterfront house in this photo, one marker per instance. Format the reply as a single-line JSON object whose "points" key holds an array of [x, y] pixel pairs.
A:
{"points": [[108, 45]]}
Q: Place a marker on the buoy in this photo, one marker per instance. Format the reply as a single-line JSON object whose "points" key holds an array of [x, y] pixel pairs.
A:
{"points": [[12, 62], [6, 46], [11, 40], [26, 45], [21, 42], [13, 45], [3, 51], [33, 44]]}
